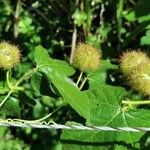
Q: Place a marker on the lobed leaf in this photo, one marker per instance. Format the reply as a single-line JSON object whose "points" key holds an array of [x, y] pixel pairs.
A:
{"points": [[107, 112], [57, 74]]}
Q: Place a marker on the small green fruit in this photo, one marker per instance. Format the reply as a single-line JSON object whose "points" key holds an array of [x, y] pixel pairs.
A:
{"points": [[9, 55], [140, 78], [86, 57], [129, 60]]}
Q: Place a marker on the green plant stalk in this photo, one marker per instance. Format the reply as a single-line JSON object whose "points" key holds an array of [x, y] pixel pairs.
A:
{"points": [[9, 83], [82, 84], [101, 14], [73, 45], [5, 99], [41, 119], [15, 87], [74, 37], [26, 76], [16, 16], [142, 102], [85, 79], [119, 21], [79, 78], [7, 78], [47, 116], [32, 121]]}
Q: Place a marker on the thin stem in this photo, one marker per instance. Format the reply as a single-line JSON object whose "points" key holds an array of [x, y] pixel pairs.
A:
{"points": [[58, 108], [142, 102], [119, 22], [85, 79], [16, 16], [82, 84], [25, 76], [101, 14], [41, 119], [79, 78], [5, 99], [74, 39], [47, 116], [7, 79], [37, 120]]}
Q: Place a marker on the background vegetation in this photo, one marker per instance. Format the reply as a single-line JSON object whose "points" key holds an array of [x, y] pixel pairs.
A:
{"points": [[57, 25]]}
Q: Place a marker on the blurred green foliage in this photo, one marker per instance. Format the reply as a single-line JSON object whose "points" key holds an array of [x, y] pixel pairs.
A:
{"points": [[112, 26]]}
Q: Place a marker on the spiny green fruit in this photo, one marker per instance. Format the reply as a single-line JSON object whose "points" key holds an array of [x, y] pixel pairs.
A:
{"points": [[86, 57], [129, 60], [140, 78], [9, 55]]}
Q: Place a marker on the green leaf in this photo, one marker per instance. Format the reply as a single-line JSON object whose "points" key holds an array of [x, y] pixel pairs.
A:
{"points": [[120, 118], [104, 30], [25, 24], [38, 110], [145, 40], [48, 101], [36, 82], [79, 17], [11, 107], [71, 93], [107, 93], [108, 112], [64, 67], [93, 40], [3, 85], [67, 88], [3, 89], [92, 140], [142, 11], [26, 97], [22, 68], [129, 15], [100, 75], [42, 58]]}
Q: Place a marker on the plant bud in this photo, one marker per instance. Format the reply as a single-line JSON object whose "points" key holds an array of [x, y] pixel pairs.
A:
{"points": [[9, 55], [129, 60], [86, 57]]}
